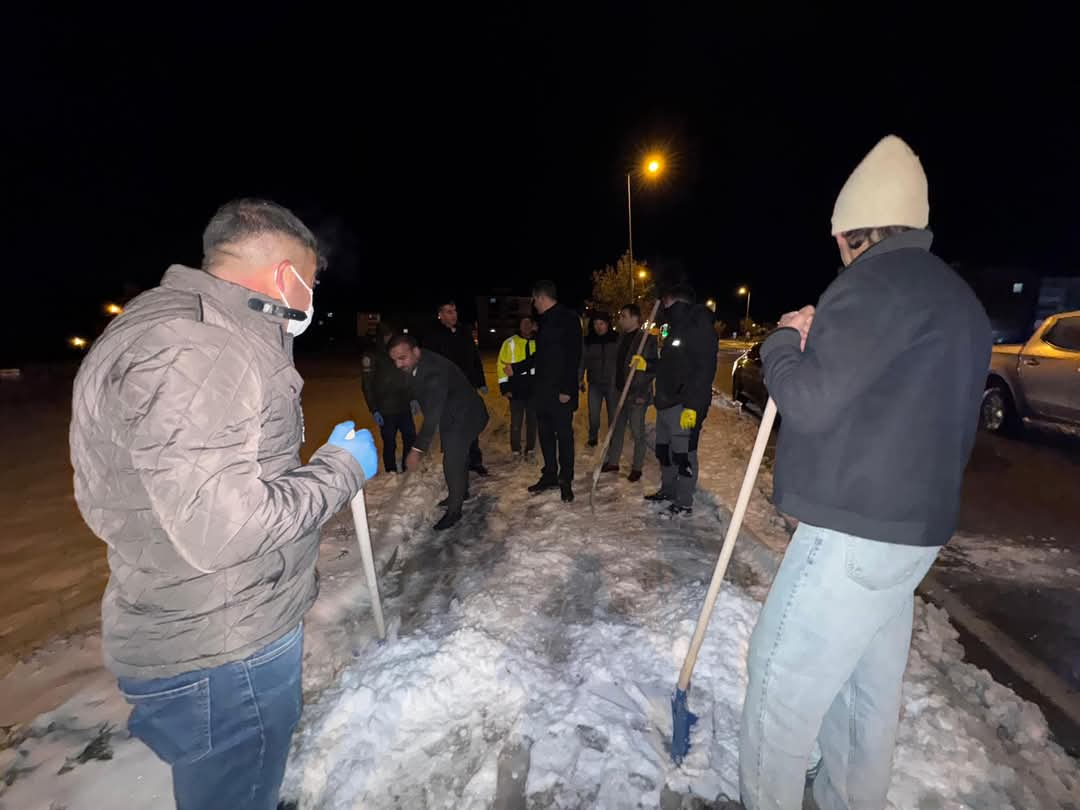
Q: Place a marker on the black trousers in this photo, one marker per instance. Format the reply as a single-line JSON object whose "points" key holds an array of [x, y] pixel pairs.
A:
{"points": [[556, 423], [393, 423], [522, 410], [476, 458], [455, 462]]}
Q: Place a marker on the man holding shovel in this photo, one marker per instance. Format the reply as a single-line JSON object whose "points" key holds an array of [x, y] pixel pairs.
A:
{"points": [[185, 438], [879, 388], [452, 408]]}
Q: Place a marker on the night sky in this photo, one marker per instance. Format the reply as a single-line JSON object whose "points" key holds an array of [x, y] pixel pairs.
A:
{"points": [[461, 151]]}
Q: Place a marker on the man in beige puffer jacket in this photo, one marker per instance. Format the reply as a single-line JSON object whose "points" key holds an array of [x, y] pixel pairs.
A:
{"points": [[185, 437]]}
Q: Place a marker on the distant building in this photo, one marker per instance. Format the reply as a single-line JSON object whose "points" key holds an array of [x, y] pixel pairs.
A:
{"points": [[498, 316], [1018, 299]]}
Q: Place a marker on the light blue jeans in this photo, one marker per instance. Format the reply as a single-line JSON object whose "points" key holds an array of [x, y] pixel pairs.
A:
{"points": [[826, 662]]}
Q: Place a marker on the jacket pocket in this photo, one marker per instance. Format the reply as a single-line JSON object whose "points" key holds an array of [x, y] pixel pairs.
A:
{"points": [[174, 723], [879, 566]]}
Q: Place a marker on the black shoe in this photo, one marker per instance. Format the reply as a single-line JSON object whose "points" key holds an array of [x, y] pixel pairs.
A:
{"points": [[609, 468], [675, 510], [480, 470], [658, 496], [447, 520], [543, 484], [634, 476], [446, 501], [592, 442], [567, 492]]}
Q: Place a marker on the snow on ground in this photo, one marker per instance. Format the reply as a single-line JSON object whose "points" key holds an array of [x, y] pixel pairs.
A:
{"points": [[533, 650]]}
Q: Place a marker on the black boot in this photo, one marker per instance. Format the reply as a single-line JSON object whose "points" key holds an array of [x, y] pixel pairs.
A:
{"points": [[480, 470], [446, 501], [447, 520], [567, 492], [543, 484], [658, 496], [675, 510], [634, 476]]}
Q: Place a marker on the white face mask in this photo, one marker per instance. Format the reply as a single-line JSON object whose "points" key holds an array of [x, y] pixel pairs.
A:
{"points": [[296, 328]]}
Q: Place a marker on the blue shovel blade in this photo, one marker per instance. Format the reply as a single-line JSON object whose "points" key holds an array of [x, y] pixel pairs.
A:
{"points": [[682, 720]]}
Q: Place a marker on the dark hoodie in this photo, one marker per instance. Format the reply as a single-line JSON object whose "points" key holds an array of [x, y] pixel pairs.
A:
{"points": [[599, 357]]}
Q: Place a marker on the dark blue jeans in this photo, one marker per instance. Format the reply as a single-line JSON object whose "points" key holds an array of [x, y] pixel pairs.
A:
{"points": [[225, 731], [393, 423]]}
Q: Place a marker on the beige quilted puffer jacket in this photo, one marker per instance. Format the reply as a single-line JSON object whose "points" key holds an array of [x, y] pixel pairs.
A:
{"points": [[185, 438]]}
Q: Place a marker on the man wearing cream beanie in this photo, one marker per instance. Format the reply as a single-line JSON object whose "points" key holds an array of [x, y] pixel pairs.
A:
{"points": [[879, 388]]}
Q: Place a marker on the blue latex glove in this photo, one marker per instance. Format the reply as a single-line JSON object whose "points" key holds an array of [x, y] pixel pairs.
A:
{"points": [[360, 446], [378, 419], [483, 390]]}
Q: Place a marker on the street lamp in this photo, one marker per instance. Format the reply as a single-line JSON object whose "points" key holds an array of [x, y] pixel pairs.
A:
{"points": [[711, 305], [113, 309], [652, 167], [746, 291]]}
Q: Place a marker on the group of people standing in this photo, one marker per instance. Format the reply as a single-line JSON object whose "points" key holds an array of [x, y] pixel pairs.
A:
{"points": [[542, 370]]}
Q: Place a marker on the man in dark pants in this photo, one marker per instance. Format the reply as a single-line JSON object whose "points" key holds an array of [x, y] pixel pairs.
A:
{"points": [[598, 368], [555, 387], [684, 375], [455, 343], [452, 407], [388, 392], [518, 389], [637, 398]]}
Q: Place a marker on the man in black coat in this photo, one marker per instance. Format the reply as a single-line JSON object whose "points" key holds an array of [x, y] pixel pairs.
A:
{"points": [[452, 407], [880, 386], [555, 387], [455, 343], [684, 377], [388, 393]]}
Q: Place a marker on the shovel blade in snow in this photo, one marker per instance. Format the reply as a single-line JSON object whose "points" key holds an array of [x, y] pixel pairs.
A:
{"points": [[682, 720]]}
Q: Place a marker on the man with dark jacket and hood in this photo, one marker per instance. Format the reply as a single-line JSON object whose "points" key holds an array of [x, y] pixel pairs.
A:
{"points": [[455, 343], [452, 408], [879, 387], [388, 393], [555, 387], [598, 369], [684, 377]]}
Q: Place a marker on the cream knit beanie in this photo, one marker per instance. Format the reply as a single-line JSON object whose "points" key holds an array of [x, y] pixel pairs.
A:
{"points": [[887, 188]]}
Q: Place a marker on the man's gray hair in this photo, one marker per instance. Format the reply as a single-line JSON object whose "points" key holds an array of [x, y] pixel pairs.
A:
{"points": [[243, 219]]}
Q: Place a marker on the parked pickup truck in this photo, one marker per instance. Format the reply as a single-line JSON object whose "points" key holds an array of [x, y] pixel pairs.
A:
{"points": [[1038, 380]]}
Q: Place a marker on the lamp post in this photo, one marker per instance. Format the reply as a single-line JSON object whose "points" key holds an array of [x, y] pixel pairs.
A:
{"points": [[746, 291], [651, 168]]}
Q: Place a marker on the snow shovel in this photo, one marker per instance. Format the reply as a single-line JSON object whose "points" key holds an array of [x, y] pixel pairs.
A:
{"points": [[619, 407], [681, 716], [363, 537]]}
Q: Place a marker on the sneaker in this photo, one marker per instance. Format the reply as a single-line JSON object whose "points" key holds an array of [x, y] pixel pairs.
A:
{"points": [[447, 520], [530, 456], [480, 470], [675, 510], [543, 484], [658, 496], [634, 476], [515, 456], [609, 468], [567, 492]]}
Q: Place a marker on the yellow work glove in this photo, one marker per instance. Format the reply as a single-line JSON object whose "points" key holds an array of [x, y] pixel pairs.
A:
{"points": [[688, 419], [639, 362]]}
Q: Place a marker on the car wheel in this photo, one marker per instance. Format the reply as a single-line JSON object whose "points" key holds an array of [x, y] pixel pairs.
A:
{"points": [[998, 412]]}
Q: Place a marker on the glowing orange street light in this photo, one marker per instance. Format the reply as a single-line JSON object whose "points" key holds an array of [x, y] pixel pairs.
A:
{"points": [[78, 342], [113, 309]]}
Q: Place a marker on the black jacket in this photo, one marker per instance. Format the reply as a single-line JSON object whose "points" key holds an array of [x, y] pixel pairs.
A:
{"points": [[641, 386], [458, 346], [558, 355], [448, 400], [880, 410], [387, 388], [687, 363], [598, 360]]}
